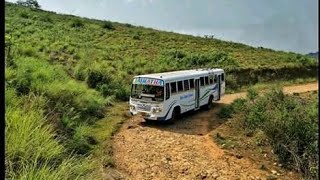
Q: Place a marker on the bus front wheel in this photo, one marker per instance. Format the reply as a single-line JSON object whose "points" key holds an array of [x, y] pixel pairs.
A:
{"points": [[175, 114]]}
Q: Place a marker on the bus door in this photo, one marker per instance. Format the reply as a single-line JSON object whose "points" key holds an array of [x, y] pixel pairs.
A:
{"points": [[219, 86], [197, 93]]}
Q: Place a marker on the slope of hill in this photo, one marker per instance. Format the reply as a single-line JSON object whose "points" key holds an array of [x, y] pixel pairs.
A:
{"points": [[102, 51], [62, 72], [314, 55]]}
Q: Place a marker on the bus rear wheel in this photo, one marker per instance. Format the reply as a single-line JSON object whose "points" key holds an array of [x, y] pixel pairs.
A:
{"points": [[210, 104]]}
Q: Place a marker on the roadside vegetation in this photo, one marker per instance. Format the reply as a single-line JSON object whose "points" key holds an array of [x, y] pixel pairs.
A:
{"points": [[64, 73], [287, 123]]}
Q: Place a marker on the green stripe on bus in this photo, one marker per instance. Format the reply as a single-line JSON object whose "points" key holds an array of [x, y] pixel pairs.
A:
{"points": [[187, 105]]}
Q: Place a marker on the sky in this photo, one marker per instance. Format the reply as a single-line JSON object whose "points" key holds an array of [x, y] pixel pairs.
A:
{"points": [[288, 25]]}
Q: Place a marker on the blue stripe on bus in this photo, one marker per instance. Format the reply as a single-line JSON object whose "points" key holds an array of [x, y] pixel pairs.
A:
{"points": [[165, 117]]}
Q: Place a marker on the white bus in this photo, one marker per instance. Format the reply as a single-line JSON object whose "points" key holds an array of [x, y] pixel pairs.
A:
{"points": [[164, 96]]}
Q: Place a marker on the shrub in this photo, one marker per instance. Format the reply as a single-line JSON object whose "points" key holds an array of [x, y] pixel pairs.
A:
{"points": [[122, 92], [136, 36], [239, 105], [252, 94], [232, 82], [106, 90], [47, 19], [226, 111], [96, 78], [77, 24], [107, 25], [28, 51], [128, 25], [289, 122], [24, 14]]}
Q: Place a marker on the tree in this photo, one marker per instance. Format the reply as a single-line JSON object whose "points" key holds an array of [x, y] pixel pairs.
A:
{"points": [[29, 3]]}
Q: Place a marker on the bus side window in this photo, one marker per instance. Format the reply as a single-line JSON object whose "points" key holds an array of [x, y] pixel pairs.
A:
{"points": [[173, 87], [186, 85], [210, 79], [191, 81], [215, 79], [180, 86], [206, 80], [167, 91], [222, 77], [201, 81]]}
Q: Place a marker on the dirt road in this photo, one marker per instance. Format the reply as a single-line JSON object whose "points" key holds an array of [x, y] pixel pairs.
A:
{"points": [[184, 150]]}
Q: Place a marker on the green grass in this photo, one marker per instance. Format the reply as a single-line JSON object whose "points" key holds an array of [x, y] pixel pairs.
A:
{"points": [[290, 123], [103, 131], [108, 54], [32, 150]]}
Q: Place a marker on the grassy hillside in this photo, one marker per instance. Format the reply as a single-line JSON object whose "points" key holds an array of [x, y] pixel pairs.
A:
{"points": [[101, 52], [62, 72]]}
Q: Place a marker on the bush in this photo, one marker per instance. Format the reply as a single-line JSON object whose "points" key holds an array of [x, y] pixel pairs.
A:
{"points": [[136, 36], [77, 24], [24, 14], [96, 78], [128, 25], [106, 90], [231, 82], [239, 105], [28, 51], [122, 92], [107, 25], [226, 111], [252, 94], [289, 122]]}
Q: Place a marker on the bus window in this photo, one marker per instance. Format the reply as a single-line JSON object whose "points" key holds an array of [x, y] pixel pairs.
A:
{"points": [[186, 85], [210, 79], [215, 79], [206, 80], [222, 77], [201, 81], [173, 87], [180, 87], [167, 91], [191, 81]]}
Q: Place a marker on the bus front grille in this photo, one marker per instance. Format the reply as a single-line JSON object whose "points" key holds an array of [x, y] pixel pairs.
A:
{"points": [[143, 107]]}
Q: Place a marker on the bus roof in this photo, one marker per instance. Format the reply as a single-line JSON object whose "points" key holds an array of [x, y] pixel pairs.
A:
{"points": [[173, 75]]}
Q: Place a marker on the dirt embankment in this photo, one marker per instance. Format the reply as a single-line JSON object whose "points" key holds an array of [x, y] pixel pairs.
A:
{"points": [[184, 150]]}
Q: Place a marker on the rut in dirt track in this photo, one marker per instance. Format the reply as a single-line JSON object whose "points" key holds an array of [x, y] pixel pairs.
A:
{"points": [[184, 150]]}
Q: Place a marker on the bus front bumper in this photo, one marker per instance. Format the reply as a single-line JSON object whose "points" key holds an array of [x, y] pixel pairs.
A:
{"points": [[148, 116]]}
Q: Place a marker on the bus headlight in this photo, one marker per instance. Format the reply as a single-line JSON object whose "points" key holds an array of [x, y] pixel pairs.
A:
{"points": [[156, 109], [132, 107]]}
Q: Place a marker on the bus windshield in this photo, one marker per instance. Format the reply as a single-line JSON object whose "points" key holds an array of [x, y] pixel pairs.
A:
{"points": [[147, 92]]}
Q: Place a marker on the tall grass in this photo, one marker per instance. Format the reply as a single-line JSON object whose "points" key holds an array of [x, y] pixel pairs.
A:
{"points": [[32, 150]]}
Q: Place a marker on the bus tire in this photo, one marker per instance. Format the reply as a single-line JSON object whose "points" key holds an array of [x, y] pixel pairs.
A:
{"points": [[175, 114], [209, 105]]}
